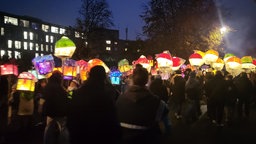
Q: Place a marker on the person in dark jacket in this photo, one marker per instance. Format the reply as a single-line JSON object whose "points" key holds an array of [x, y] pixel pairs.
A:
{"points": [[244, 87], [55, 109], [139, 111], [217, 97], [92, 117]]}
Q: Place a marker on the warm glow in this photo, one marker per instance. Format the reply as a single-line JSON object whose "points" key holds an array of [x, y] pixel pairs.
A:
{"points": [[64, 48], [8, 69]]}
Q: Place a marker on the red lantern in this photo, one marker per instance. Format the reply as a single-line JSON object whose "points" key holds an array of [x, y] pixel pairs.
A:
{"points": [[8, 69]]}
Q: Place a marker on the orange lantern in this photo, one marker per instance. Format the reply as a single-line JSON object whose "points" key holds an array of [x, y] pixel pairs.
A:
{"points": [[69, 69], [218, 65], [94, 62], [8, 69], [26, 81], [210, 56]]}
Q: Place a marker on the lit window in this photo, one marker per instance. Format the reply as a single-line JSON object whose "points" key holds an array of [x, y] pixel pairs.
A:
{"points": [[108, 48], [37, 47], [36, 54], [125, 49], [45, 28], [24, 23], [10, 20], [10, 54], [2, 53], [51, 49], [108, 42], [31, 35], [138, 50], [17, 55], [62, 31], [51, 39], [115, 43], [54, 29], [31, 46], [2, 31], [25, 45], [25, 35], [9, 43], [42, 54], [46, 38], [17, 44], [42, 47], [46, 48]]}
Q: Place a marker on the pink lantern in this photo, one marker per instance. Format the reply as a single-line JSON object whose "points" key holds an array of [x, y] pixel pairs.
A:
{"points": [[8, 69], [196, 60], [144, 62], [177, 62]]}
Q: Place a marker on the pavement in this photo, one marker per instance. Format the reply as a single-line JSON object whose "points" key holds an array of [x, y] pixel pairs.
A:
{"points": [[201, 131]]}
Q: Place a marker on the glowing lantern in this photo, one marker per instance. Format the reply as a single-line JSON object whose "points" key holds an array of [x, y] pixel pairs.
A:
{"points": [[144, 62], [196, 60], [177, 62], [115, 77], [234, 66], [26, 81], [36, 75], [82, 69], [199, 52], [218, 65], [69, 69], [227, 56], [123, 66], [43, 64], [64, 48], [8, 69], [210, 56], [164, 64], [94, 62], [247, 64]]}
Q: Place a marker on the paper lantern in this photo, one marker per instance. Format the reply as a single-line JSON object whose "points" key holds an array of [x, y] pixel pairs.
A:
{"points": [[69, 69], [143, 61], [177, 62], [115, 77], [26, 81], [94, 62], [218, 65], [123, 66], [234, 66], [36, 75], [227, 56], [196, 60], [199, 52], [64, 48], [43, 64], [9, 69], [164, 59], [247, 64], [211, 56], [82, 69]]}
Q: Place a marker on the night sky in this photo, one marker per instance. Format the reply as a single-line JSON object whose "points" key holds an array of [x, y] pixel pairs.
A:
{"points": [[126, 14]]}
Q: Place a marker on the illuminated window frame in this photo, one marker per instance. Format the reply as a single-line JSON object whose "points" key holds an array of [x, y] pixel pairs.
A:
{"points": [[25, 35], [9, 43]]}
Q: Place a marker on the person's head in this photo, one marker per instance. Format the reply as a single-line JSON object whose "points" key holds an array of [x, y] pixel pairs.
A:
{"points": [[56, 77], [192, 74], [42, 82], [140, 76], [98, 73], [74, 83], [219, 74]]}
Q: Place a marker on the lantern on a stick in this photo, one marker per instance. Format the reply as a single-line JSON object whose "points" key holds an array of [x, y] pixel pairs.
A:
{"points": [[26, 81], [227, 56], [9, 69], [218, 64], [177, 62], [234, 66], [64, 48], [115, 76], [69, 69], [94, 62], [247, 64], [196, 60], [211, 56], [82, 69], [164, 64], [43, 64], [143, 61], [123, 66]]}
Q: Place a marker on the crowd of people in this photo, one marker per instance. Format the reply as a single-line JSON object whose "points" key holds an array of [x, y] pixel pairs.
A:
{"points": [[137, 112]]}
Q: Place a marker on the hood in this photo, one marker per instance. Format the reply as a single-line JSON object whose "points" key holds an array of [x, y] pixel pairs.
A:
{"points": [[137, 93]]}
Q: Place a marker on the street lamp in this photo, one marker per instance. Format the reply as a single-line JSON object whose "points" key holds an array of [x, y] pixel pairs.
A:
{"points": [[223, 30]]}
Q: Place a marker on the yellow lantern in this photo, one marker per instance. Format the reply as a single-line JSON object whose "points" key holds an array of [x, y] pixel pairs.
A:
{"points": [[218, 65], [210, 56], [26, 82]]}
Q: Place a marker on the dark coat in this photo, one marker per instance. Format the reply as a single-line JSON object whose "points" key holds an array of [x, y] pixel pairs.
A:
{"points": [[138, 106], [158, 88], [92, 116], [178, 89]]}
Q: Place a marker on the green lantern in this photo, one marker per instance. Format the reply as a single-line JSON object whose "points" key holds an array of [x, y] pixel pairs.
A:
{"points": [[64, 48]]}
